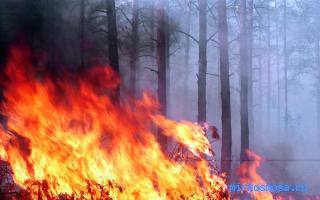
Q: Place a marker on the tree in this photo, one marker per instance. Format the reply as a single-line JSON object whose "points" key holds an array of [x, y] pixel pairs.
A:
{"points": [[243, 82], [250, 68], [202, 71], [113, 42], [187, 53], [226, 151], [82, 32], [268, 65], [285, 53], [134, 42], [162, 63], [318, 80]]}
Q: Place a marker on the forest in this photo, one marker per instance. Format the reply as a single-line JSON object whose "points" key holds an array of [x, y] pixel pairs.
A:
{"points": [[245, 72]]}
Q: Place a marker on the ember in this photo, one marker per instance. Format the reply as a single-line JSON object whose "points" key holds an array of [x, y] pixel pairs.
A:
{"points": [[66, 140]]}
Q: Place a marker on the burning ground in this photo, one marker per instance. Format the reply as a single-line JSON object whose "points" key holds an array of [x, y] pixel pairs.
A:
{"points": [[66, 139]]}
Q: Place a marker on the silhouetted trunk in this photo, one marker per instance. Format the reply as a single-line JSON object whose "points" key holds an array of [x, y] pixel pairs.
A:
{"points": [[226, 149], [82, 33], [161, 63], [153, 26], [318, 81], [268, 67], [250, 69], [134, 51], [278, 76], [243, 82], [2, 36], [3, 54], [168, 71], [186, 59], [50, 30], [261, 124], [113, 42], [286, 114], [202, 72]]}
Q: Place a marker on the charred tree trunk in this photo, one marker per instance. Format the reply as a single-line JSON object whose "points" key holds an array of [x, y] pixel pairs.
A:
{"points": [[2, 42], [226, 150], [250, 69], [186, 59], [268, 67], [168, 71], [162, 64], [113, 42], [278, 77], [243, 82], [50, 30], [134, 51], [153, 26], [3, 54], [82, 33], [318, 81], [285, 53], [261, 124], [202, 72]]}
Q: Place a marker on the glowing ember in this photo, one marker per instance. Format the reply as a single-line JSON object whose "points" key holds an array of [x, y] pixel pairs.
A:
{"points": [[66, 139]]}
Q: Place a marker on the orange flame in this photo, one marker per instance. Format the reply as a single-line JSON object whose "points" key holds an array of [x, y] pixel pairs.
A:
{"points": [[66, 137], [248, 174]]}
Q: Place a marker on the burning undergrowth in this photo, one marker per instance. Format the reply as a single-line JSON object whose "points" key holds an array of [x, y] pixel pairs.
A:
{"points": [[66, 139]]}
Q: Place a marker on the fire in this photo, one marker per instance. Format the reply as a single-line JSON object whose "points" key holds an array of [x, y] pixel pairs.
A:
{"points": [[248, 174], [66, 139]]}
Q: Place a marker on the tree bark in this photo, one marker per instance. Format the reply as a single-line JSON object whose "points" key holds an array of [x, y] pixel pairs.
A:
{"points": [[243, 82], [50, 30], [285, 53], [113, 42], [186, 59], [82, 33], [250, 69], [278, 77], [268, 66], [318, 81], [226, 150], [202, 103], [261, 115], [162, 64], [134, 51]]}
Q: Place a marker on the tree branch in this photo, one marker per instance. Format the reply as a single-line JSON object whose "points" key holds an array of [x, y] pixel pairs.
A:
{"points": [[153, 70], [190, 36], [211, 36]]}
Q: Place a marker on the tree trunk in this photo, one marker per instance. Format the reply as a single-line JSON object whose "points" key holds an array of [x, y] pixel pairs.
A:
{"points": [[162, 64], [50, 30], [226, 150], [268, 67], [202, 72], [3, 54], [261, 116], [153, 26], [82, 33], [318, 81], [186, 60], [278, 77], [168, 71], [113, 42], [134, 51], [250, 69], [243, 82], [286, 114]]}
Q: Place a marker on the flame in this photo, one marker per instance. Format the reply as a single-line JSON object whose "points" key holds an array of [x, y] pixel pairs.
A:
{"points": [[248, 174], [65, 138]]}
